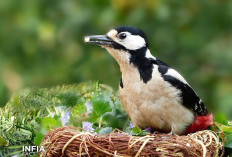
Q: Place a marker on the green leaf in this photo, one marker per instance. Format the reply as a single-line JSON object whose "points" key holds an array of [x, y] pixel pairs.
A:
{"points": [[228, 142], [14, 153], [116, 119], [3, 142], [38, 138], [78, 115], [106, 130], [80, 108], [136, 130], [226, 128], [15, 147], [69, 98], [221, 118], [101, 104], [50, 123]]}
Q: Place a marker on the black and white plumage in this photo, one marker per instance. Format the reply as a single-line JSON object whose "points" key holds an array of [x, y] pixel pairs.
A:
{"points": [[152, 93]]}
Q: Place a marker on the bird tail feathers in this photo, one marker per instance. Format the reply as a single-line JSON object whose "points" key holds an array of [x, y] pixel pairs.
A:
{"points": [[200, 123]]}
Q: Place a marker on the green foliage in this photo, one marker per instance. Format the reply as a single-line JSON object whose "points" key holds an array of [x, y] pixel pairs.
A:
{"points": [[225, 127], [115, 119], [32, 113], [3, 142], [38, 138], [100, 106], [221, 118], [137, 131], [105, 130], [228, 142], [48, 124]]}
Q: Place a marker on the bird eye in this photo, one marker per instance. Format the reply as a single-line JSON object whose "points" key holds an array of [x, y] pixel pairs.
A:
{"points": [[122, 36]]}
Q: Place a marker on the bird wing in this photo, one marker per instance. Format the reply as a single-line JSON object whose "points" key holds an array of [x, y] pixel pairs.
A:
{"points": [[189, 98]]}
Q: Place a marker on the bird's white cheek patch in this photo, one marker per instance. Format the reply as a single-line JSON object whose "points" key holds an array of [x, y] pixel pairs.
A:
{"points": [[133, 42]]}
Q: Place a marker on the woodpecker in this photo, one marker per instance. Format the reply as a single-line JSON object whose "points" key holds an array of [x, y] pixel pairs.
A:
{"points": [[152, 93]]}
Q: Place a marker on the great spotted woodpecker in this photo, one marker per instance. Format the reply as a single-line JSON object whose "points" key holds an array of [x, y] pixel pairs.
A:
{"points": [[152, 93]]}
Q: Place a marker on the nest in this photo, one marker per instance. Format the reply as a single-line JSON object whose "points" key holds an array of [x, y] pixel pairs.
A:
{"points": [[70, 142]]}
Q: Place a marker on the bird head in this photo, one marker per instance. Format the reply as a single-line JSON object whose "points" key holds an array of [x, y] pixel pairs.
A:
{"points": [[124, 43]]}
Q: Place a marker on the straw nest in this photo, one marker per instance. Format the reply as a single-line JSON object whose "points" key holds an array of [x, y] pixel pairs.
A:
{"points": [[70, 142]]}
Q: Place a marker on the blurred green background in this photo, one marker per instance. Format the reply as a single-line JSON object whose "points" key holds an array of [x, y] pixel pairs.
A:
{"points": [[41, 43]]}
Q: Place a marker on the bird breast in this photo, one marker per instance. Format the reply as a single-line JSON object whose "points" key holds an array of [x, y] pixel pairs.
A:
{"points": [[154, 104]]}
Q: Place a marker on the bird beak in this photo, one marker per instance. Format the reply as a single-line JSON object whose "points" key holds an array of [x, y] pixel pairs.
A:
{"points": [[102, 40]]}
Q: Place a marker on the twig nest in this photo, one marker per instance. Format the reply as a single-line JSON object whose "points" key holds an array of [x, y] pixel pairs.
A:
{"points": [[70, 142]]}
